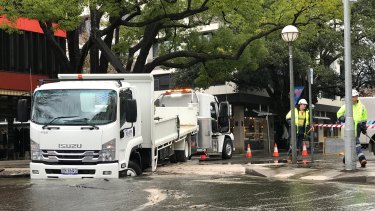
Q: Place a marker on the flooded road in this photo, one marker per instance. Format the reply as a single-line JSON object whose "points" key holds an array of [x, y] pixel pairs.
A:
{"points": [[182, 192]]}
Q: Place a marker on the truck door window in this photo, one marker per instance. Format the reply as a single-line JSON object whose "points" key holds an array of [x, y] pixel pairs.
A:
{"points": [[213, 110], [124, 95], [214, 124]]}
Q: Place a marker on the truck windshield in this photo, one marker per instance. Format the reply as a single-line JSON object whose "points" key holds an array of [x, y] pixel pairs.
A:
{"points": [[176, 100], [83, 107]]}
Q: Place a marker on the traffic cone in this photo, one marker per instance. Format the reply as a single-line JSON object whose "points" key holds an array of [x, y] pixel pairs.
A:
{"points": [[275, 153], [248, 152], [304, 153], [204, 156]]}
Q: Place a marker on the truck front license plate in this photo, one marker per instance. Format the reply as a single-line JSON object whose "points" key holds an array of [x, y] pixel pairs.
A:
{"points": [[69, 171]]}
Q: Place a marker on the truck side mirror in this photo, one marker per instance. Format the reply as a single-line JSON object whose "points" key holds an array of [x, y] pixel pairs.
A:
{"points": [[22, 110], [131, 110]]}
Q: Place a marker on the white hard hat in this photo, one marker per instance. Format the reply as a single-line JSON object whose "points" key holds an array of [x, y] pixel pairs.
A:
{"points": [[354, 93], [302, 101]]}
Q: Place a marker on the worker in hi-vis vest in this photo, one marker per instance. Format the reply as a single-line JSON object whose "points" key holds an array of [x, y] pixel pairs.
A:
{"points": [[301, 114], [360, 119]]}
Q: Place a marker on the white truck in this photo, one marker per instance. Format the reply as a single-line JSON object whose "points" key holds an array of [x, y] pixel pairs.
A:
{"points": [[369, 103], [214, 136], [103, 126]]}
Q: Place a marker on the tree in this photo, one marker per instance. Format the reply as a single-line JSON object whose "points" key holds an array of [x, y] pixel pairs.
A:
{"points": [[363, 50], [173, 25]]}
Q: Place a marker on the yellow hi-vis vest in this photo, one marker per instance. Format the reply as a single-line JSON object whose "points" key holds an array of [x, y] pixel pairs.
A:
{"points": [[359, 113], [297, 119]]}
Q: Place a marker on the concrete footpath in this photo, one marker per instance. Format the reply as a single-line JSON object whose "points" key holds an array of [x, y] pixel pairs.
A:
{"points": [[324, 168]]}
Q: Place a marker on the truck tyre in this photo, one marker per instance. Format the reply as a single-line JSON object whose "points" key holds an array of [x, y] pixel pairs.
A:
{"points": [[227, 149], [183, 155], [146, 159], [372, 146], [133, 169], [173, 158]]}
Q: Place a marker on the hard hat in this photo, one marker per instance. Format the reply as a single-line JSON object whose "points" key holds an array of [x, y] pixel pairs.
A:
{"points": [[354, 93], [302, 101]]}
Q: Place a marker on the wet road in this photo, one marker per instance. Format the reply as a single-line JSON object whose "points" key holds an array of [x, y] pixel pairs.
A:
{"points": [[182, 192]]}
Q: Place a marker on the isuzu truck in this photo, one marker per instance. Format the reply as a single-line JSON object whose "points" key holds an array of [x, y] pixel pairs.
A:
{"points": [[103, 126]]}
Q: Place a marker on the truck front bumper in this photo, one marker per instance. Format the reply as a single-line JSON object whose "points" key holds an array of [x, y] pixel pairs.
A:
{"points": [[44, 171]]}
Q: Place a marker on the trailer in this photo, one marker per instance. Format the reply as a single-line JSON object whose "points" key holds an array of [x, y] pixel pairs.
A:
{"points": [[214, 136], [103, 126]]}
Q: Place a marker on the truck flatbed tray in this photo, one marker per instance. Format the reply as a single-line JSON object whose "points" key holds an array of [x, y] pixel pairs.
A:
{"points": [[186, 129]]}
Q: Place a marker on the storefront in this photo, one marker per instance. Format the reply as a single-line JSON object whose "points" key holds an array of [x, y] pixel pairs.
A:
{"points": [[14, 141]]}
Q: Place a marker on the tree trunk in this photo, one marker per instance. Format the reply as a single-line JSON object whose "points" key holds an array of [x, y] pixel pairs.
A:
{"points": [[149, 37]]}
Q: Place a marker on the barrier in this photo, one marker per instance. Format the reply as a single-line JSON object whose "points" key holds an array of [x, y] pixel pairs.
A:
{"points": [[372, 126]]}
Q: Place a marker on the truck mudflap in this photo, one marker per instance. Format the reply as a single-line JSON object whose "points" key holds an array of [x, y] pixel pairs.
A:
{"points": [[43, 171]]}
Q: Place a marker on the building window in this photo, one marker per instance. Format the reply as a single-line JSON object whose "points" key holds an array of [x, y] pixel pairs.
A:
{"points": [[28, 52]]}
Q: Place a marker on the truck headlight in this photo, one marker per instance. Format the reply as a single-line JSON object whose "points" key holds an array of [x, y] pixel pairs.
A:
{"points": [[108, 151], [36, 153]]}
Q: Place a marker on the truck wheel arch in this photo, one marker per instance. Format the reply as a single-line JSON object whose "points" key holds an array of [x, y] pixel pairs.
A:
{"points": [[134, 165]]}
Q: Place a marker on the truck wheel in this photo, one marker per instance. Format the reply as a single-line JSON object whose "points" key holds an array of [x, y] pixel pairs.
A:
{"points": [[133, 169], [173, 158], [146, 159], [183, 155], [227, 149]]}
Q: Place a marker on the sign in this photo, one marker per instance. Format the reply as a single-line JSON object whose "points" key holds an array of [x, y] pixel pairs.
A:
{"points": [[297, 93]]}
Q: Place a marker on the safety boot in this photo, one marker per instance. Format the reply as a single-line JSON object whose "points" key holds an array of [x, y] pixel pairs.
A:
{"points": [[363, 163], [289, 159]]}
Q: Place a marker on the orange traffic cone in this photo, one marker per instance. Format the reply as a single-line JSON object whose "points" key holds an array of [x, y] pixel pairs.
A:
{"points": [[248, 152], [275, 153], [304, 153], [204, 156]]}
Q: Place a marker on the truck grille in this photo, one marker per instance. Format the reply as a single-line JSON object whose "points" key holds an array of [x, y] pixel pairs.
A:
{"points": [[70, 156]]}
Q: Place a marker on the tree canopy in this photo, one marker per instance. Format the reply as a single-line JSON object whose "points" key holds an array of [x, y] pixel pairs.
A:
{"points": [[175, 26]]}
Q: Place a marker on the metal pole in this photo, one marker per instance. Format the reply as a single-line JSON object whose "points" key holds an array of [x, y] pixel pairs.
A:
{"points": [[310, 81], [268, 135], [349, 139], [291, 96]]}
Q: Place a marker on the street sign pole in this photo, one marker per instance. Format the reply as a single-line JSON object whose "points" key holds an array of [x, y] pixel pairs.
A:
{"points": [[349, 139], [310, 75]]}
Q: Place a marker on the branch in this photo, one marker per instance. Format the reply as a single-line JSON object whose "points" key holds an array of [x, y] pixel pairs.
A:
{"points": [[173, 16], [84, 52], [58, 50], [205, 56], [180, 65]]}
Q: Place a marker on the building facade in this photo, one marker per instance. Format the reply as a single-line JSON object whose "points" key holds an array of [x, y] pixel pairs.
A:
{"points": [[25, 57]]}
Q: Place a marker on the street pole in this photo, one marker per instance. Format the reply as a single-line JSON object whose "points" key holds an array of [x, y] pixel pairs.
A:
{"points": [[349, 139], [290, 34], [310, 77], [291, 96]]}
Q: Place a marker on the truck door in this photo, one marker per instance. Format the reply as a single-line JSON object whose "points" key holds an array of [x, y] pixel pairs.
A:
{"points": [[223, 119]]}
